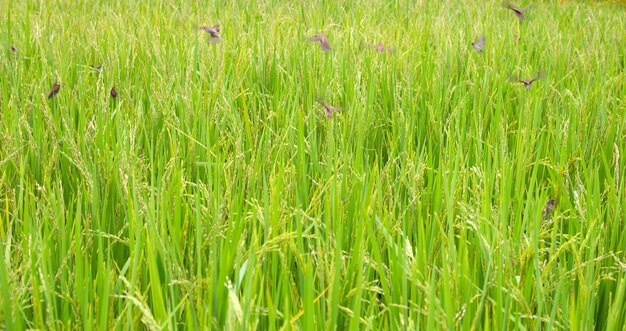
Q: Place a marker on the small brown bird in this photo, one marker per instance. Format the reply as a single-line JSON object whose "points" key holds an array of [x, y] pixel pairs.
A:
{"points": [[519, 12], [380, 48], [549, 208], [113, 92], [13, 49], [213, 31], [54, 90], [479, 44], [97, 68], [322, 40], [328, 110], [527, 82]]}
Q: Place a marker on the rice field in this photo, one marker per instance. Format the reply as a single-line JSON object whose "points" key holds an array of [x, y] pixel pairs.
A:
{"points": [[248, 177]]}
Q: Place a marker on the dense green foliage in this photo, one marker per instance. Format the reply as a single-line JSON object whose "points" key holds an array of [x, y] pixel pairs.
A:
{"points": [[214, 193]]}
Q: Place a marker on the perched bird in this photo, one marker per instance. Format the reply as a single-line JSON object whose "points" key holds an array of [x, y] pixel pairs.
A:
{"points": [[519, 12], [328, 110], [13, 49], [213, 31], [322, 40], [54, 90], [549, 208], [527, 82], [479, 44], [380, 48], [113, 92]]}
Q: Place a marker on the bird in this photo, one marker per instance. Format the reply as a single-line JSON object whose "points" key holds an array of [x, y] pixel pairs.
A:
{"points": [[213, 31], [54, 90], [549, 208], [13, 49], [113, 92], [97, 68], [322, 40], [519, 12], [328, 110], [479, 44], [527, 82], [380, 48]]}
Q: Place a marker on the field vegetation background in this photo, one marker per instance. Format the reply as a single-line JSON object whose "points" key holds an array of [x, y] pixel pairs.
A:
{"points": [[213, 193]]}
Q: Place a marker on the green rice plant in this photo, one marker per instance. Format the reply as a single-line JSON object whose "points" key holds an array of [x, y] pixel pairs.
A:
{"points": [[213, 192]]}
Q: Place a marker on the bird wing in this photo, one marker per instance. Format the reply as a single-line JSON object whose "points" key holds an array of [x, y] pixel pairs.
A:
{"points": [[390, 50], [481, 41], [515, 79], [323, 41], [325, 45], [317, 37], [507, 4], [518, 11], [539, 75], [212, 30]]}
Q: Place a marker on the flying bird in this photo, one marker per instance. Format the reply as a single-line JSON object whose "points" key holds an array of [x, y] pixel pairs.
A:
{"points": [[328, 110], [527, 82], [519, 12], [479, 44], [13, 49], [213, 31], [113, 92], [322, 40], [549, 208], [54, 90], [380, 48]]}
